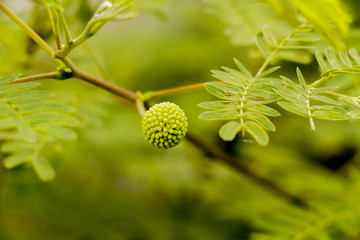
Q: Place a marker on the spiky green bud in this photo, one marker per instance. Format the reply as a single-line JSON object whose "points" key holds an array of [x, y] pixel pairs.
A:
{"points": [[164, 125]]}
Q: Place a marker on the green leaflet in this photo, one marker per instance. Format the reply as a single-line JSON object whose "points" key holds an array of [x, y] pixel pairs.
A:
{"points": [[353, 106], [7, 123], [43, 169], [244, 98], [219, 105], [28, 120], [223, 91], [262, 109], [16, 160], [301, 80], [261, 119], [261, 44], [59, 132], [42, 105], [269, 71], [268, 35], [7, 79], [258, 133], [53, 118], [296, 109], [324, 99], [219, 115], [328, 115], [229, 130], [15, 146], [17, 87], [28, 95], [230, 78]]}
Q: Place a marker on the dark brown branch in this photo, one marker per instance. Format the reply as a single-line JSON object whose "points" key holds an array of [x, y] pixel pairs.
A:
{"points": [[240, 167]]}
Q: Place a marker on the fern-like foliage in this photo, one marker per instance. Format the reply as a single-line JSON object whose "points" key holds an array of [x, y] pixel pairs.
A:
{"points": [[344, 62], [324, 223], [332, 22], [306, 101], [244, 96], [243, 102], [294, 47], [244, 19], [328, 218], [28, 120], [324, 103]]}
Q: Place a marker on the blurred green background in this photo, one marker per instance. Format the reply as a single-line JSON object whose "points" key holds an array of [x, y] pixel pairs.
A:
{"points": [[111, 184]]}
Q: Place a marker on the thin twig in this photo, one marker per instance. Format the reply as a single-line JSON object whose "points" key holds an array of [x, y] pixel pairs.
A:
{"points": [[172, 91], [37, 77], [121, 92]]}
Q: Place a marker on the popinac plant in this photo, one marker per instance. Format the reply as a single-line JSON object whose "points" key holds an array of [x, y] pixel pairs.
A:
{"points": [[245, 101]]}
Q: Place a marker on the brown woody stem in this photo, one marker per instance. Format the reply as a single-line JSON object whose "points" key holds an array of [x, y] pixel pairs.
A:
{"points": [[37, 77], [242, 168]]}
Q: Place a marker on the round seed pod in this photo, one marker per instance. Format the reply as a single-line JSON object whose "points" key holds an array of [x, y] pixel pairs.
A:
{"points": [[164, 125]]}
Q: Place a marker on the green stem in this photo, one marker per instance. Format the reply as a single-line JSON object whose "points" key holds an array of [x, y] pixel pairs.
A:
{"points": [[73, 44], [27, 29], [175, 90], [311, 120], [139, 102], [320, 81], [37, 77], [65, 27], [54, 19], [276, 49], [171, 91]]}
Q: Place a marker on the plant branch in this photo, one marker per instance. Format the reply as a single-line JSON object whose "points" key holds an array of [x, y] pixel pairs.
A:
{"points": [[172, 91], [37, 77], [242, 168], [121, 92], [33, 35], [74, 43]]}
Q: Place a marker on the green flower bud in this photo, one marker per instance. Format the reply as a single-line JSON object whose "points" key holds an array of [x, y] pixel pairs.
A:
{"points": [[164, 125]]}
